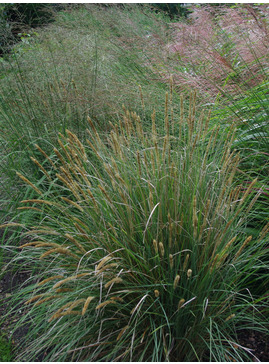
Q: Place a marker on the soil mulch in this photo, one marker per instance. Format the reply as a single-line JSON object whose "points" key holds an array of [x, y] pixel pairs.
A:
{"points": [[8, 284], [257, 342]]}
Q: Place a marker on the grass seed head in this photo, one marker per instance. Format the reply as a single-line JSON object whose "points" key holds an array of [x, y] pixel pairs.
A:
{"points": [[122, 332], [161, 249], [49, 279], [29, 183], [59, 251], [176, 280], [68, 279], [155, 245], [103, 304], [112, 281], [171, 261], [230, 317], [103, 261], [189, 273], [180, 303], [186, 261]]}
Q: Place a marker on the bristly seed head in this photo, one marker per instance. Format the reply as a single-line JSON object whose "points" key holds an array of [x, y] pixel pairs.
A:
{"points": [[180, 303], [171, 261], [155, 245], [186, 262], [176, 280], [230, 317], [112, 281], [161, 249], [189, 273]]}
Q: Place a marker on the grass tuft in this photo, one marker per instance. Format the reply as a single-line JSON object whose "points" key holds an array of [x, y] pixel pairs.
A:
{"points": [[159, 245]]}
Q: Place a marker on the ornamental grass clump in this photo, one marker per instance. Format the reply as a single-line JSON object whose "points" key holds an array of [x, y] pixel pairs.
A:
{"points": [[142, 249]]}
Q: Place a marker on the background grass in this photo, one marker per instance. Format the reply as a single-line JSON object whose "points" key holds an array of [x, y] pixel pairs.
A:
{"points": [[5, 349]]}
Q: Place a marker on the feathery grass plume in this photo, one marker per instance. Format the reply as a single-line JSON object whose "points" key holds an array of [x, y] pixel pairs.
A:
{"points": [[180, 303], [116, 298], [34, 298], [230, 317], [68, 279], [161, 247], [112, 281], [61, 309], [86, 304], [103, 262], [49, 279], [11, 224], [29, 183], [75, 303], [39, 243], [40, 167], [29, 208], [186, 262], [153, 129], [264, 232], [189, 273], [106, 267], [63, 251], [77, 143], [122, 332], [214, 262], [226, 248], [72, 203], [206, 213], [165, 143], [82, 232], [45, 300], [155, 245], [64, 148], [63, 290], [176, 280], [45, 155], [65, 313], [68, 185], [74, 241], [248, 190], [247, 240], [105, 303], [34, 200], [171, 261], [103, 190]]}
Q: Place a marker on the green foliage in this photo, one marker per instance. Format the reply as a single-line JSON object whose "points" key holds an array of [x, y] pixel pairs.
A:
{"points": [[174, 10], [141, 241], [5, 349], [19, 18], [32, 14]]}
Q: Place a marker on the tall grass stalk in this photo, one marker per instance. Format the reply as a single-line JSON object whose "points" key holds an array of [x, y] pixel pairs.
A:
{"points": [[51, 83]]}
